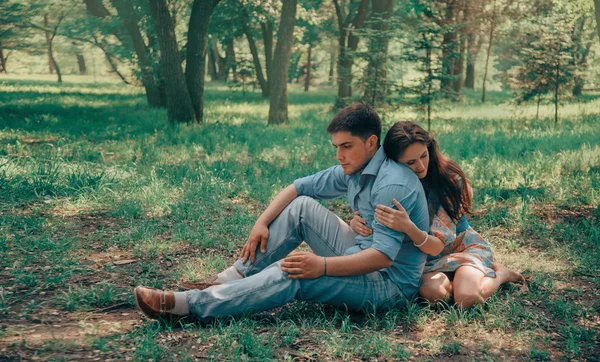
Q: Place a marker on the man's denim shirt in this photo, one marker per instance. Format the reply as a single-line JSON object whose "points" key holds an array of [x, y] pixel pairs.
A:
{"points": [[380, 182]]}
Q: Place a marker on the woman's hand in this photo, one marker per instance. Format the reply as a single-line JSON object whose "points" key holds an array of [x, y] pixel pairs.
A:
{"points": [[304, 266], [394, 219], [359, 225]]}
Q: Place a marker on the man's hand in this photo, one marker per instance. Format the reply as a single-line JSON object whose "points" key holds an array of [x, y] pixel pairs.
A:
{"points": [[359, 225], [304, 266], [258, 235]]}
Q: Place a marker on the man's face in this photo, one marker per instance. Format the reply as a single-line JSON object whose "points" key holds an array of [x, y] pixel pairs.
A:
{"points": [[353, 153]]}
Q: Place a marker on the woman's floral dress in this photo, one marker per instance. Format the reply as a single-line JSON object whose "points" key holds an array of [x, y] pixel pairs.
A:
{"points": [[464, 246]]}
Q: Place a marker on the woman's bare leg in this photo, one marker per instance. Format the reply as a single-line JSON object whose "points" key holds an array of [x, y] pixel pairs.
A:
{"points": [[468, 286], [436, 287], [472, 286]]}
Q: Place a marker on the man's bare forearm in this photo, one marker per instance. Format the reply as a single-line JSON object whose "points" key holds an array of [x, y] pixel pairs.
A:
{"points": [[280, 202], [364, 262]]}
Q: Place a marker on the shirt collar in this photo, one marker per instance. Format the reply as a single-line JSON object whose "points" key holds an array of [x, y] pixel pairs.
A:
{"points": [[375, 164]]}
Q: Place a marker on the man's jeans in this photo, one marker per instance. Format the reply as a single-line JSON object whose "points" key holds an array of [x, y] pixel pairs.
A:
{"points": [[266, 286]]}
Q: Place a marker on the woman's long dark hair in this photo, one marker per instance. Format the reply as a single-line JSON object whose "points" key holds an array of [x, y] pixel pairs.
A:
{"points": [[450, 192]]}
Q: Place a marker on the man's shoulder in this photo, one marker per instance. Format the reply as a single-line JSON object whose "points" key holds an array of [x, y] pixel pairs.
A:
{"points": [[396, 173]]}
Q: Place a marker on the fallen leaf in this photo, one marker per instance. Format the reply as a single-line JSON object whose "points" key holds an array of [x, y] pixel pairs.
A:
{"points": [[123, 262]]}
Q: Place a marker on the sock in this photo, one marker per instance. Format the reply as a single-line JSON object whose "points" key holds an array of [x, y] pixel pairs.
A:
{"points": [[181, 304], [228, 275]]}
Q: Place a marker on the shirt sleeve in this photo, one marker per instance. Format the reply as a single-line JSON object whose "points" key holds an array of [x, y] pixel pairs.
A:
{"points": [[327, 184], [386, 240]]}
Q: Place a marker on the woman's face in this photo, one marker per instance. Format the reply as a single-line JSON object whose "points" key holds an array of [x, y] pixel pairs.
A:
{"points": [[416, 156]]}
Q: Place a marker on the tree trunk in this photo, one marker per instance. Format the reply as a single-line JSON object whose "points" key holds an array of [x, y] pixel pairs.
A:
{"points": [[108, 56], [597, 13], [2, 60], [308, 68], [127, 15], [278, 106], [219, 61], [264, 85], [80, 60], [81, 64], [332, 54], [449, 49], [459, 59], [489, 50], [348, 44], [49, 46], [376, 87], [578, 86], [230, 60], [196, 53], [267, 32], [179, 104], [471, 55], [428, 53], [212, 61], [556, 92], [53, 61]]}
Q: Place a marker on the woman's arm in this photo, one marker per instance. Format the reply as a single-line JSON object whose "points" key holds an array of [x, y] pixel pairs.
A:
{"points": [[400, 221]]}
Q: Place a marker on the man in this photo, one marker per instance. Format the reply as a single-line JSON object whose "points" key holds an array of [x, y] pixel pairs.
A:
{"points": [[382, 270]]}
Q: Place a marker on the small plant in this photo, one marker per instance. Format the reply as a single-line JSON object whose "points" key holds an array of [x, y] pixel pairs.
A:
{"points": [[45, 181], [452, 348], [83, 180]]}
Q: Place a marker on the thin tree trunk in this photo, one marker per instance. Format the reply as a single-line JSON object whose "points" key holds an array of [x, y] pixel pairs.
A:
{"points": [[80, 60], [429, 81], [308, 68], [179, 104], [55, 65], [81, 64], [212, 61], [110, 60], [332, 58], [196, 53], [127, 15], [278, 107], [470, 39], [556, 92], [489, 50], [459, 61], [267, 32], [264, 85], [230, 60], [376, 87], [49, 46], [597, 13], [348, 44], [2, 60], [537, 112], [449, 45]]}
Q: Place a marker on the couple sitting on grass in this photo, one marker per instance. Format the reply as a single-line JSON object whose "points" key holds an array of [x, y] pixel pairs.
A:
{"points": [[409, 235]]}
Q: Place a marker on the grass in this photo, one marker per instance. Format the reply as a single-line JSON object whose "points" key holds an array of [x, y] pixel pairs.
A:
{"points": [[98, 194]]}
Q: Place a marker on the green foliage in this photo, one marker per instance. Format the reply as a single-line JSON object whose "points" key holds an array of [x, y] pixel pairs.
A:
{"points": [[114, 184]]}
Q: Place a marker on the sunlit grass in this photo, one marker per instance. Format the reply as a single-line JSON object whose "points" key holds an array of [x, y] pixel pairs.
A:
{"points": [[87, 170]]}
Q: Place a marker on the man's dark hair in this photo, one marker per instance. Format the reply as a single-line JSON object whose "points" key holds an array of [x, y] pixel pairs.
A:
{"points": [[360, 119]]}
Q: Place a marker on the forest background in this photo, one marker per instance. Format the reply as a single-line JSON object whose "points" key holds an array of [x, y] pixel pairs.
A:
{"points": [[141, 139]]}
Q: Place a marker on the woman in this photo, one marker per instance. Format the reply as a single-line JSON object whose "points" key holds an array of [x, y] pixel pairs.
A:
{"points": [[460, 262]]}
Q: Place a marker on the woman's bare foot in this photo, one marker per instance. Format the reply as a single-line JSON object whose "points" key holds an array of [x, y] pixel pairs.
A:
{"points": [[507, 275]]}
